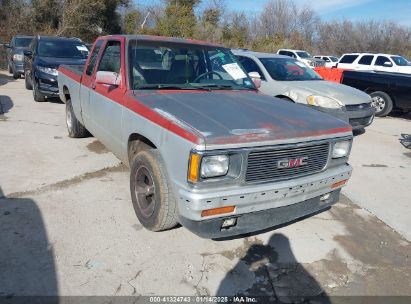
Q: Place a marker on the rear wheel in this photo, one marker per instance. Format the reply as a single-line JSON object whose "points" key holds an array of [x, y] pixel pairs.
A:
{"points": [[36, 94], [74, 127], [382, 103], [151, 193]]}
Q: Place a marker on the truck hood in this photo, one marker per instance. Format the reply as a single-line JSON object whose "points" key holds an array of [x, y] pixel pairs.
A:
{"points": [[53, 62], [347, 95], [229, 117]]}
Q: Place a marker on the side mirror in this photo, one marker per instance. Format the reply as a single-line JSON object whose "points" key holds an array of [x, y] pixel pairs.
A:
{"points": [[108, 78], [7, 45], [387, 64], [28, 53], [256, 78]]}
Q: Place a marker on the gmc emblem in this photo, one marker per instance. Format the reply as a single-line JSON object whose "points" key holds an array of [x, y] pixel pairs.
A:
{"points": [[292, 162]]}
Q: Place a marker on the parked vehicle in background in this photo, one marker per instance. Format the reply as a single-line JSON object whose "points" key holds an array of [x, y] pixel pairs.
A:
{"points": [[330, 61], [43, 58], [389, 91], [287, 78], [374, 62], [205, 149], [14, 54], [302, 56]]}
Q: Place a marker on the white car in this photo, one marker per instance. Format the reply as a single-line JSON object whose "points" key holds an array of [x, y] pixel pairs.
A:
{"points": [[330, 61], [374, 62], [286, 78], [302, 56]]}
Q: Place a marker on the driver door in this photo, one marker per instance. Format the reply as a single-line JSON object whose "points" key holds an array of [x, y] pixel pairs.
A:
{"points": [[106, 101]]}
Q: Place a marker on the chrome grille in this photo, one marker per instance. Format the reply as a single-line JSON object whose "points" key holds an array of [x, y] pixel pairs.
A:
{"points": [[263, 165]]}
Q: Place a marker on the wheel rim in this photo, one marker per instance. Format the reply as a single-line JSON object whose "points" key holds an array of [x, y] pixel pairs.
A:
{"points": [[378, 103], [69, 121], [145, 191]]}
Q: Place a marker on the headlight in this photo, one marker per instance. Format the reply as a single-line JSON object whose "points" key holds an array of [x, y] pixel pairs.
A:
{"points": [[48, 70], [213, 166], [341, 149], [325, 102], [17, 57]]}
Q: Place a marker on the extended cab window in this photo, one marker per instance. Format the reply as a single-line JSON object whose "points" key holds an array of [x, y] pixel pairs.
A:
{"points": [[366, 60], [381, 60], [250, 65], [111, 60], [93, 58], [348, 58]]}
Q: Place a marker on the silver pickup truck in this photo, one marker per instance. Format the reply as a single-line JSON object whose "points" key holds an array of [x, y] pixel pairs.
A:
{"points": [[204, 148]]}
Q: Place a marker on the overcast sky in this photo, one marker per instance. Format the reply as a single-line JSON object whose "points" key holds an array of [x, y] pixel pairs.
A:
{"points": [[396, 10]]}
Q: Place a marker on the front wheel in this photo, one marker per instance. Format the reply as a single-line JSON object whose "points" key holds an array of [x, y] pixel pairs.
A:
{"points": [[37, 96], [74, 127], [151, 193], [382, 103], [27, 81], [15, 74]]}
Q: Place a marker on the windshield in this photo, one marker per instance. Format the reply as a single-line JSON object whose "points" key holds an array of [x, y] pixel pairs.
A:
{"points": [[22, 42], [62, 49], [157, 64], [303, 55], [288, 69], [400, 61], [333, 59]]}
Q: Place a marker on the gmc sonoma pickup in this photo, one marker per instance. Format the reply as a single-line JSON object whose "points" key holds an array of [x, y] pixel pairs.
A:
{"points": [[204, 148]]}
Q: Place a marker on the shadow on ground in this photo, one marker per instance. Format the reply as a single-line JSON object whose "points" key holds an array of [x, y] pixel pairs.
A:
{"points": [[26, 257], [276, 274], [4, 78]]}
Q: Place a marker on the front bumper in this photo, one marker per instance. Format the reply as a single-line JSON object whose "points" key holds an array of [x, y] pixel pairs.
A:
{"points": [[47, 84], [257, 198], [360, 116], [260, 220]]}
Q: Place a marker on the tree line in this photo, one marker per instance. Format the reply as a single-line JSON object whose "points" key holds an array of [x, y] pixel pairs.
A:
{"points": [[280, 24]]}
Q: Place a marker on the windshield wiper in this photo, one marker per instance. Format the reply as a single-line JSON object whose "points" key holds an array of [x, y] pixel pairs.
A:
{"points": [[162, 87], [209, 86]]}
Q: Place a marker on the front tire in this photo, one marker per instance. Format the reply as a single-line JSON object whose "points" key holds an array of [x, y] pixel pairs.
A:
{"points": [[37, 96], [74, 127], [151, 193], [382, 103], [27, 81], [15, 74]]}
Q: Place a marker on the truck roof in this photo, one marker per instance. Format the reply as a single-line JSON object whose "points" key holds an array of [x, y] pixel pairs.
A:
{"points": [[162, 38]]}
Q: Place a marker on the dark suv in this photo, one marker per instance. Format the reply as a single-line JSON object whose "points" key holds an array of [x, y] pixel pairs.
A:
{"points": [[44, 57], [14, 54]]}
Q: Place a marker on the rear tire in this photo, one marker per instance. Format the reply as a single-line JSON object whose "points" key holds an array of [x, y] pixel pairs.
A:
{"points": [[36, 94], [74, 127], [151, 193], [382, 103], [27, 82]]}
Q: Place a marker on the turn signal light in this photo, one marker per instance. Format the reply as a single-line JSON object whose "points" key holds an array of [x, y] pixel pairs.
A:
{"points": [[193, 168], [339, 184], [216, 211]]}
